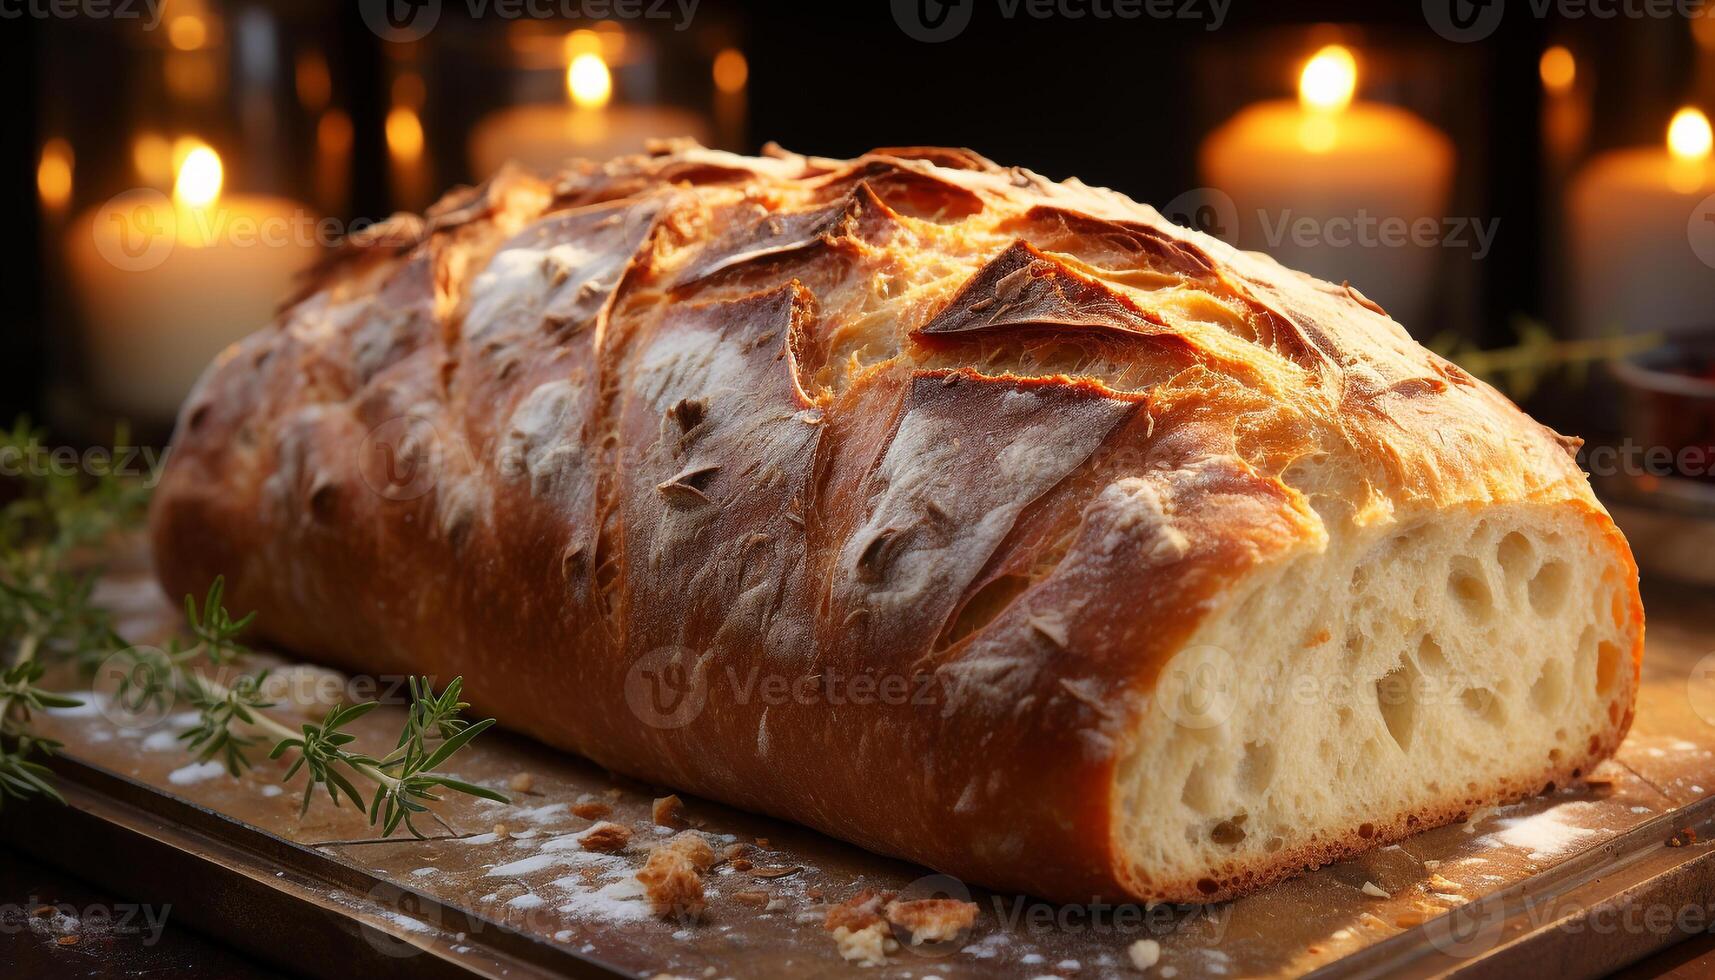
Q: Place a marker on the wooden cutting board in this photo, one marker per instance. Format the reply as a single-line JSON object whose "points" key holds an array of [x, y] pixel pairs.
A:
{"points": [[1574, 883]]}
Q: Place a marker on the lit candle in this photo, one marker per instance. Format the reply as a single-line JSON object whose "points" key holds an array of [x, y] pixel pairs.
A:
{"points": [[543, 137], [1346, 190], [54, 176], [1635, 264], [1565, 112], [164, 284], [731, 74]]}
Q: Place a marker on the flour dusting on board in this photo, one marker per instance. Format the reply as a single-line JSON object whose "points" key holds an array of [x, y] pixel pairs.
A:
{"points": [[1547, 834]]}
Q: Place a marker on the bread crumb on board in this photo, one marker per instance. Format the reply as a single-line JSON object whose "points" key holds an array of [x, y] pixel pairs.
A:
{"points": [[862, 926], [868, 946], [672, 877], [932, 920], [1440, 884], [669, 811], [592, 811], [1373, 890], [521, 783], [858, 912], [606, 837], [1144, 953]]}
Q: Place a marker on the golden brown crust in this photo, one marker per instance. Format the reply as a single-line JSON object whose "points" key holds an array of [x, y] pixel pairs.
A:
{"points": [[850, 424]]}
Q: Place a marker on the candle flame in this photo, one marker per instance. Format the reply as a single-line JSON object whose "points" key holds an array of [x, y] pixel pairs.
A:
{"points": [[404, 134], [1688, 136], [199, 179], [53, 174], [1329, 79], [187, 32], [1558, 69], [588, 81], [731, 70]]}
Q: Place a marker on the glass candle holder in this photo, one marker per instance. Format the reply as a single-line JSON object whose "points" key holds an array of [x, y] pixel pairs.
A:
{"points": [[476, 93], [1325, 150], [178, 217]]}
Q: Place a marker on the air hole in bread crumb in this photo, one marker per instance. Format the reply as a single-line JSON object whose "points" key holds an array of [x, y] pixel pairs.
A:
{"points": [[1256, 768], [1549, 691], [1395, 698], [1466, 585], [1483, 703], [1514, 553], [1607, 665], [1199, 791], [1549, 588], [1431, 659]]}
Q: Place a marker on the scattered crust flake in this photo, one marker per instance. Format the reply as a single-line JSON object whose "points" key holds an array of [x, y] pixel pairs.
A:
{"points": [[522, 783], [1144, 953], [1373, 890], [592, 811], [932, 920], [858, 912], [672, 877], [1440, 884], [669, 811], [868, 946], [501, 831], [607, 837], [861, 925]]}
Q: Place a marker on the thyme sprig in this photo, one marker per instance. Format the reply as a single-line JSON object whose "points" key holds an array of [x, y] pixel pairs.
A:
{"points": [[48, 615]]}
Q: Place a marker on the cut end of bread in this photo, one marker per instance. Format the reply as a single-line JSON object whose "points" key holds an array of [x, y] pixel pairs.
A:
{"points": [[1397, 681]]}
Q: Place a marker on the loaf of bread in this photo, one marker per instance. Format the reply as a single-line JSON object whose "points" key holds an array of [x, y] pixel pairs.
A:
{"points": [[986, 521]]}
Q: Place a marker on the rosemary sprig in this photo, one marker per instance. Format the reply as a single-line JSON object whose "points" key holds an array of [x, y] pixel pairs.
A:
{"points": [[47, 615], [1520, 369]]}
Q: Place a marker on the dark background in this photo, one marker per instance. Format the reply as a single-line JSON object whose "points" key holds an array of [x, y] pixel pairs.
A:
{"points": [[1123, 103]]}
